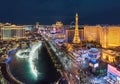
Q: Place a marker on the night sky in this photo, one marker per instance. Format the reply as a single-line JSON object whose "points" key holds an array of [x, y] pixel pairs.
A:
{"points": [[91, 12]]}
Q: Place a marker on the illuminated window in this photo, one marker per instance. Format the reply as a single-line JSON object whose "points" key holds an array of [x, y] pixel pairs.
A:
{"points": [[111, 58]]}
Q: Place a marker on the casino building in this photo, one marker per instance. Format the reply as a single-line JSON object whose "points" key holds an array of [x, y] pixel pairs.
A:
{"points": [[107, 36], [11, 32]]}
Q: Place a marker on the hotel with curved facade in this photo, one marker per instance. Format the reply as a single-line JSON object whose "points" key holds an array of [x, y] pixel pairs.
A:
{"points": [[11, 32]]}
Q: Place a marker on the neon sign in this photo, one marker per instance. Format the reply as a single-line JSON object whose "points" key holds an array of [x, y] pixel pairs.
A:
{"points": [[113, 70]]}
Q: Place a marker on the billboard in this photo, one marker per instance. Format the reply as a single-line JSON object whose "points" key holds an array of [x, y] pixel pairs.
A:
{"points": [[113, 70]]}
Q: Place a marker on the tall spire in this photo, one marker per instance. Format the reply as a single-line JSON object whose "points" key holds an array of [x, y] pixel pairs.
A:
{"points": [[76, 38]]}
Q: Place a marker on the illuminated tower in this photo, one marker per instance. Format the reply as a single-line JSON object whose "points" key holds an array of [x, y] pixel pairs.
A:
{"points": [[76, 38]]}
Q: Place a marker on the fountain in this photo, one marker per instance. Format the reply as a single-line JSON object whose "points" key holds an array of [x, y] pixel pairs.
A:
{"points": [[33, 55], [23, 53]]}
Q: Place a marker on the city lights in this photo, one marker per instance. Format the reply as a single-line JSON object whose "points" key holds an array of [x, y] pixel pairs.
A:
{"points": [[83, 54]]}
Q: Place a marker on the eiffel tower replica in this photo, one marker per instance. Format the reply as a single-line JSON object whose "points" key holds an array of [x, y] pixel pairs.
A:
{"points": [[76, 39]]}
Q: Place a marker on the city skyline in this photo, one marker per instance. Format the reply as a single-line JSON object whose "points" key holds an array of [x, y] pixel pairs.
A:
{"points": [[49, 11], [85, 54]]}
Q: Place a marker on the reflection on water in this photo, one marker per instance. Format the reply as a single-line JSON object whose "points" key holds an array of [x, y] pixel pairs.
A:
{"points": [[21, 70]]}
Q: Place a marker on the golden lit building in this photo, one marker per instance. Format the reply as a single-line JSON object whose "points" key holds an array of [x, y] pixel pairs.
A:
{"points": [[58, 25], [60, 36], [18, 31], [109, 56], [113, 36], [107, 36], [69, 47], [91, 33], [6, 31], [0, 30], [9, 32]]}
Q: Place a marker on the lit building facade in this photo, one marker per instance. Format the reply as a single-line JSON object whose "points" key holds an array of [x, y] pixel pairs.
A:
{"points": [[107, 36], [108, 56], [113, 36], [91, 33], [9, 32], [58, 24], [18, 31], [6, 31], [0, 31]]}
